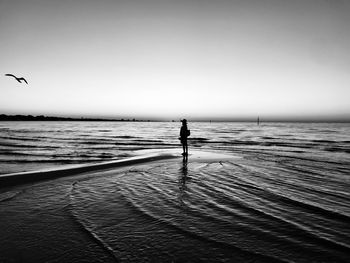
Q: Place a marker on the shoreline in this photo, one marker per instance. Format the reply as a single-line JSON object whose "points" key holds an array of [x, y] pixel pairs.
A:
{"points": [[143, 156]]}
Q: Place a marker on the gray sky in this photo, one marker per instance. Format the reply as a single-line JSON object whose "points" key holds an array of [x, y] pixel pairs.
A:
{"points": [[172, 59]]}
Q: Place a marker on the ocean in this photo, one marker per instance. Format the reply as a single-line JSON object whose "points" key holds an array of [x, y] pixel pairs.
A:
{"points": [[284, 196], [29, 146]]}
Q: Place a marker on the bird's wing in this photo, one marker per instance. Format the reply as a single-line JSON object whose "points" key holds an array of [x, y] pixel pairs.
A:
{"points": [[10, 75], [24, 80]]}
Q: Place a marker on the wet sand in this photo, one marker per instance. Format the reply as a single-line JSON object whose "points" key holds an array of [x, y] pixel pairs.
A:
{"points": [[39, 222], [159, 207]]}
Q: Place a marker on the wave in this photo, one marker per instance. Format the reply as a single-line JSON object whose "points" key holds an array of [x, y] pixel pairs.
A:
{"points": [[274, 155], [61, 161], [7, 196], [16, 138], [16, 145], [205, 235], [309, 209], [86, 228], [217, 199], [337, 149], [169, 223], [278, 200], [125, 136]]}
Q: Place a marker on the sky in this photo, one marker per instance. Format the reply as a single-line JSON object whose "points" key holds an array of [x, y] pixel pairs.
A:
{"points": [[222, 59]]}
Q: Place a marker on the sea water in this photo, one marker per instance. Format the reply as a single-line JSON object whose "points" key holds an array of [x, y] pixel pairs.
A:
{"points": [[35, 145], [286, 198]]}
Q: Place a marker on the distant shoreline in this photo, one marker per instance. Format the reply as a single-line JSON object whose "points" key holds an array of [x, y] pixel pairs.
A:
{"points": [[4, 117]]}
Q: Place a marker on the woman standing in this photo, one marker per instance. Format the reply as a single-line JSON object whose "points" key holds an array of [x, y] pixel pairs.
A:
{"points": [[184, 133]]}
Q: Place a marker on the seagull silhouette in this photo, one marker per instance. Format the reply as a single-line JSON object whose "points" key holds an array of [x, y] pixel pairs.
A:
{"points": [[18, 79]]}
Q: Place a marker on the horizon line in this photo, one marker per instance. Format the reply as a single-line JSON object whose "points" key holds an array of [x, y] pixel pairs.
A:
{"points": [[163, 119]]}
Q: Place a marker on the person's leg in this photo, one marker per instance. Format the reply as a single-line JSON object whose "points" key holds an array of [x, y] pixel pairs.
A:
{"points": [[186, 148], [183, 148]]}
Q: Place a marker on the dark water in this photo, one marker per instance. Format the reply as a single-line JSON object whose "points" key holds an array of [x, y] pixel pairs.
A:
{"points": [[286, 198]]}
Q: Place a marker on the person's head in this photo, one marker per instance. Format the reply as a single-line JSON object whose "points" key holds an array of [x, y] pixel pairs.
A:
{"points": [[184, 122]]}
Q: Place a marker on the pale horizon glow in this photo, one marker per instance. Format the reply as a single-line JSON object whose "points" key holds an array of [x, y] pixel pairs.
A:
{"points": [[175, 59]]}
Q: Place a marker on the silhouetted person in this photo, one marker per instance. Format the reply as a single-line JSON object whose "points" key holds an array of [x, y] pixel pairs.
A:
{"points": [[184, 133], [18, 79]]}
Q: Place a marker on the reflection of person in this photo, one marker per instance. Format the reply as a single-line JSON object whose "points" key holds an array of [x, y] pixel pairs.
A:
{"points": [[182, 181], [184, 133], [184, 166]]}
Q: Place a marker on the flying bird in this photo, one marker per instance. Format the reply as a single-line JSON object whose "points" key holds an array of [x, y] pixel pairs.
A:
{"points": [[18, 79]]}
